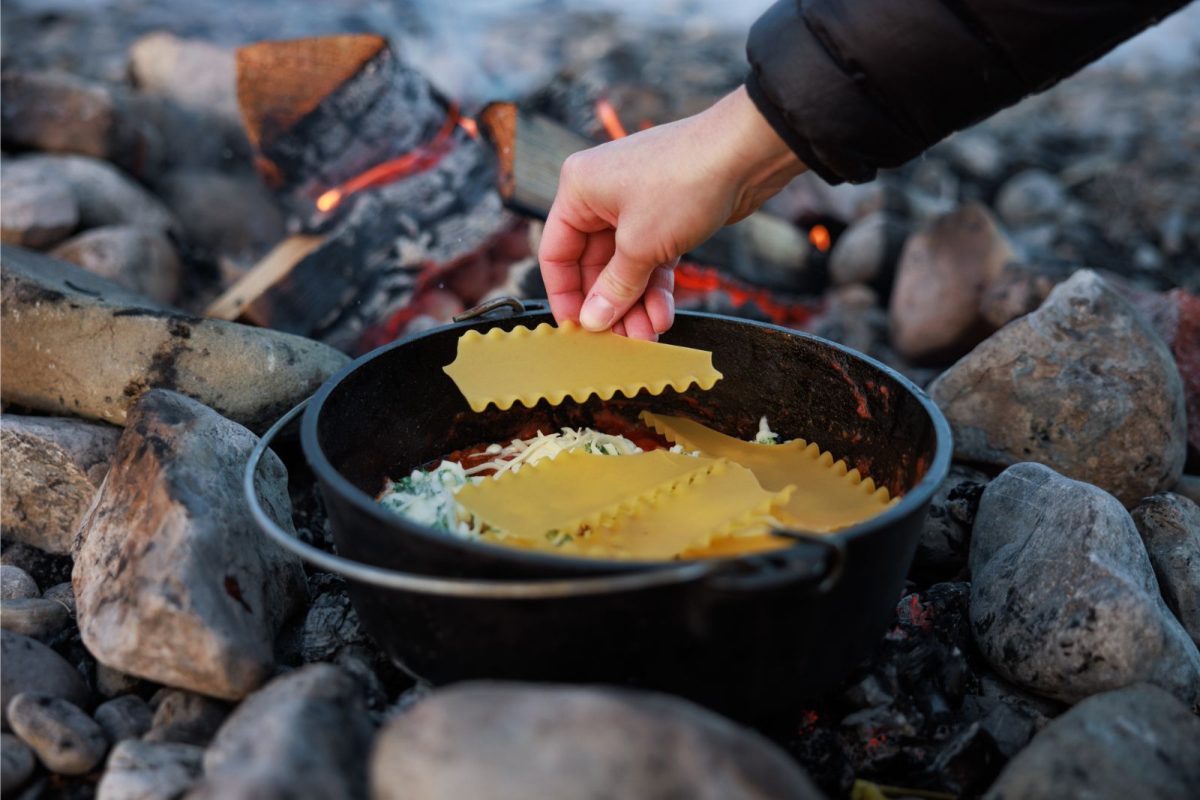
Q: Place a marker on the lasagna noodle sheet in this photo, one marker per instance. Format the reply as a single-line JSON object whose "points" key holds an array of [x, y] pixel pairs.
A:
{"points": [[827, 495], [724, 504], [523, 365], [575, 489]]}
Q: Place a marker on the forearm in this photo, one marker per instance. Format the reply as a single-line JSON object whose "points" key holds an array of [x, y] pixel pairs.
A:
{"points": [[857, 85]]}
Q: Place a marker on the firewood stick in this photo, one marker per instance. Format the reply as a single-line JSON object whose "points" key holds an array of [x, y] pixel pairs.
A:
{"points": [[270, 270]]}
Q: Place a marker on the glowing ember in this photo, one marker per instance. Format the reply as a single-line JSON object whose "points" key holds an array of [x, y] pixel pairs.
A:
{"points": [[819, 236], [697, 280], [469, 125], [609, 119], [410, 163]]}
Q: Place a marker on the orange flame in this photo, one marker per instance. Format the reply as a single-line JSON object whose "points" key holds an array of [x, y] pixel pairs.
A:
{"points": [[609, 119], [408, 164], [469, 125], [820, 238]]}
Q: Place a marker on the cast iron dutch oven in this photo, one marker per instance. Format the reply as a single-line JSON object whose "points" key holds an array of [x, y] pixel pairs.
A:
{"points": [[751, 637]]}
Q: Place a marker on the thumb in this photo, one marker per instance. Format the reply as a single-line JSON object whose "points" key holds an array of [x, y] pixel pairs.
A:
{"points": [[617, 288]]}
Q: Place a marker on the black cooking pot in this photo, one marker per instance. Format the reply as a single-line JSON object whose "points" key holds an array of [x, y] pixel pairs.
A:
{"points": [[749, 636]]}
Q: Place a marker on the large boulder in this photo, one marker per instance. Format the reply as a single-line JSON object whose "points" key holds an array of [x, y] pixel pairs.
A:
{"points": [[935, 310], [519, 741], [1063, 597], [76, 343], [173, 580], [303, 735], [52, 469], [1082, 385], [1170, 527], [1135, 742]]}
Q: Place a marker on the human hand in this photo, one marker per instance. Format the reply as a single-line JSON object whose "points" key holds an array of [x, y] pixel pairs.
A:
{"points": [[626, 210]]}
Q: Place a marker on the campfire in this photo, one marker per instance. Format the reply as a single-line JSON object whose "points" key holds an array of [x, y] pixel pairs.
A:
{"points": [[200, 239]]}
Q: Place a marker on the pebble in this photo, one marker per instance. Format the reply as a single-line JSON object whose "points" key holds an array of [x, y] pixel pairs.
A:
{"points": [[33, 213], [32, 667], [46, 569], [867, 251], [1132, 743], [1066, 386], [64, 595], [65, 739], [15, 583], [185, 717], [1064, 601], [103, 194], [113, 683], [150, 771], [124, 717], [35, 617], [1016, 291], [16, 763], [1029, 197], [509, 741], [196, 74], [140, 259]]}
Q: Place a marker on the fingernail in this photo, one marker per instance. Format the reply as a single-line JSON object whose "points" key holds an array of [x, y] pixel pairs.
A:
{"points": [[669, 301], [597, 313]]}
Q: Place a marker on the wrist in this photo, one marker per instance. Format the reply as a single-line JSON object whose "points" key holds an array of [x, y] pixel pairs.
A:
{"points": [[752, 158]]}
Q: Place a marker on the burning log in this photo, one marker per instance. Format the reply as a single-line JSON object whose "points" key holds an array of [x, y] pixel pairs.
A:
{"points": [[531, 149], [379, 171]]}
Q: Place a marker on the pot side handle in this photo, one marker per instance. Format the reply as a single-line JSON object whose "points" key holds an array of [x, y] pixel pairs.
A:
{"points": [[786, 569]]}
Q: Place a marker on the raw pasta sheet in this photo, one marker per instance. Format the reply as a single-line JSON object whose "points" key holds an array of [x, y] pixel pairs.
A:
{"points": [[523, 365], [827, 495]]}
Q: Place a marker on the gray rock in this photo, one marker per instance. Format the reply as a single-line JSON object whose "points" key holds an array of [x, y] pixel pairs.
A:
{"points": [[16, 763], [46, 569], [65, 739], [1170, 528], [1081, 385], [113, 683], [31, 667], [63, 594], [1135, 742], [1029, 197], [15, 583], [852, 317], [150, 771], [946, 535], [74, 342], [185, 717], [977, 153], [59, 113], [868, 250], [935, 307], [52, 469], [304, 735], [140, 259], [196, 74], [35, 617], [35, 214], [173, 579], [1063, 597], [231, 214], [124, 717], [104, 195], [475, 740]]}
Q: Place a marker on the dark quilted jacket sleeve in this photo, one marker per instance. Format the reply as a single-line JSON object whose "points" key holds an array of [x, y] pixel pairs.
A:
{"points": [[857, 85]]}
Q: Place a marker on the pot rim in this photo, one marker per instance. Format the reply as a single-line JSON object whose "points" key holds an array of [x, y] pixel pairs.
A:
{"points": [[587, 568]]}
